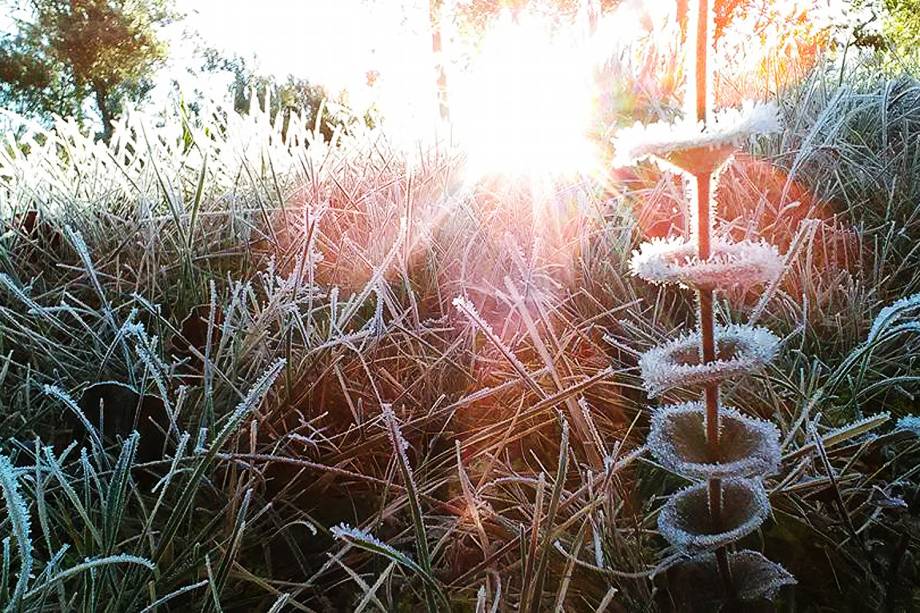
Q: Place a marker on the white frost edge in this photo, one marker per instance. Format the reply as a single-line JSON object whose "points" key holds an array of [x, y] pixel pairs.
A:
{"points": [[669, 517], [752, 562], [764, 462], [730, 127], [731, 264], [757, 347]]}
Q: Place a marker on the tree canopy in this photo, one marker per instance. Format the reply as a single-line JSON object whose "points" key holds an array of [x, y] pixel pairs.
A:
{"points": [[67, 53]]}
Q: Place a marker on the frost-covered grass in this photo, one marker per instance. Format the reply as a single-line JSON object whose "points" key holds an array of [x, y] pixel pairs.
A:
{"points": [[323, 426]]}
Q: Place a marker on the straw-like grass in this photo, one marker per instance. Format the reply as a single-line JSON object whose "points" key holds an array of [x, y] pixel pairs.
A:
{"points": [[274, 296]]}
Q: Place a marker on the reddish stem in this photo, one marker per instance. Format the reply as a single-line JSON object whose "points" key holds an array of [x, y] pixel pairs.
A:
{"points": [[706, 318]]}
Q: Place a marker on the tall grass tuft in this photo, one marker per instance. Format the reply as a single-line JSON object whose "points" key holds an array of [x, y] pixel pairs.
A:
{"points": [[259, 304]]}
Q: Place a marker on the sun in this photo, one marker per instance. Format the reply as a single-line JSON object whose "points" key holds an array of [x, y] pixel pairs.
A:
{"points": [[525, 105]]}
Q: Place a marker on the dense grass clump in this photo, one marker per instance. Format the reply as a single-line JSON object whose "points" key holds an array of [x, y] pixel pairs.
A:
{"points": [[245, 372]]}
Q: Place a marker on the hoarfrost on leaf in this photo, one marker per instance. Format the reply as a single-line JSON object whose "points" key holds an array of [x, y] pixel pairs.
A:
{"points": [[685, 521], [748, 446], [891, 313], [732, 264], [692, 146], [368, 542], [18, 512], [739, 350], [909, 423], [345, 532], [697, 580]]}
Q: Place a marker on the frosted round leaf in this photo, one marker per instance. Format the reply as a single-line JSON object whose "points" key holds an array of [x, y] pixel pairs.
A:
{"points": [[748, 447], [697, 580], [685, 521], [699, 160], [694, 147], [739, 350], [731, 264]]}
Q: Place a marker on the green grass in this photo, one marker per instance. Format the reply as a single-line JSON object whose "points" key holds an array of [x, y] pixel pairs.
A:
{"points": [[268, 301]]}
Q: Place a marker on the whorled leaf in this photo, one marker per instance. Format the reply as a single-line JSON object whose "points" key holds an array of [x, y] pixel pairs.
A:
{"points": [[748, 447], [739, 350], [696, 581], [731, 264], [686, 523], [691, 146]]}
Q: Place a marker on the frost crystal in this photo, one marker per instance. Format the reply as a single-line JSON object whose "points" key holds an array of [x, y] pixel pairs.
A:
{"points": [[739, 350], [18, 512], [345, 532], [685, 521], [690, 146], [748, 446], [754, 577], [909, 423], [891, 313], [731, 264]]}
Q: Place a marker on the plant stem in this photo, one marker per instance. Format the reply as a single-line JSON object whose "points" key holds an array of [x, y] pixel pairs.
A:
{"points": [[434, 16], [706, 319]]}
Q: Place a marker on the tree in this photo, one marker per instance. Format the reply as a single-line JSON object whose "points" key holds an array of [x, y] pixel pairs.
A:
{"points": [[902, 28], [67, 53]]}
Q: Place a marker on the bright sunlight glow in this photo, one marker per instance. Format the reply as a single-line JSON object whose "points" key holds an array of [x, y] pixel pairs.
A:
{"points": [[525, 106]]}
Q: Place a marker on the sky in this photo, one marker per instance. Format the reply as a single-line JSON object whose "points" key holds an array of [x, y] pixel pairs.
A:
{"points": [[298, 36], [331, 42]]}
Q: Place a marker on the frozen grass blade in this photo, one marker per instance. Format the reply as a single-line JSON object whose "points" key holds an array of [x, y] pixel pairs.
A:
{"points": [[368, 542], [191, 488], [91, 565], [549, 521], [18, 514], [400, 446]]}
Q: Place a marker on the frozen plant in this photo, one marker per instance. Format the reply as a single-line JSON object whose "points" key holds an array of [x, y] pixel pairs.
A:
{"points": [[726, 452], [740, 264], [749, 446], [695, 146], [738, 350], [909, 423]]}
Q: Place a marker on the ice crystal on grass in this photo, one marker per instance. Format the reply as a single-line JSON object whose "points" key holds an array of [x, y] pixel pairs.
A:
{"points": [[686, 523], [368, 542], [691, 146], [856, 428], [753, 576], [18, 514], [732, 264], [739, 350], [350, 533], [469, 310], [253, 397], [93, 563], [909, 423], [887, 317], [748, 447], [11, 286], [56, 392], [400, 444]]}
